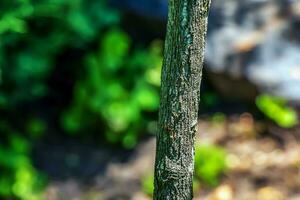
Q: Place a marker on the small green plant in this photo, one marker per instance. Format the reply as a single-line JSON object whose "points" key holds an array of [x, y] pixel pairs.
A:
{"points": [[18, 177], [148, 184], [210, 163], [276, 108]]}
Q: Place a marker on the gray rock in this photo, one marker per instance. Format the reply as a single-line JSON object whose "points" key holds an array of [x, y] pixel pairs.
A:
{"points": [[258, 41]]}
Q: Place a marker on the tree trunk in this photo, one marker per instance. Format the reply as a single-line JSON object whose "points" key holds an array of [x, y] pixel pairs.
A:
{"points": [[180, 96]]}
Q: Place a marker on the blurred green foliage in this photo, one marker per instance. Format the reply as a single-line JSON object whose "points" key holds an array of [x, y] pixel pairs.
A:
{"points": [[115, 83], [119, 87], [148, 184], [18, 177], [210, 163], [34, 33], [276, 108]]}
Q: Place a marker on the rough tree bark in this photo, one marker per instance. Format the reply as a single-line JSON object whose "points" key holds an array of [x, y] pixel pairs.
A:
{"points": [[180, 96]]}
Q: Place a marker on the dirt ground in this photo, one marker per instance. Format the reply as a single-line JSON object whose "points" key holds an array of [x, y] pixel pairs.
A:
{"points": [[263, 164]]}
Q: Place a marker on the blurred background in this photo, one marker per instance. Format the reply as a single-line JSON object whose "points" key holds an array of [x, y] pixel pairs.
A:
{"points": [[79, 94]]}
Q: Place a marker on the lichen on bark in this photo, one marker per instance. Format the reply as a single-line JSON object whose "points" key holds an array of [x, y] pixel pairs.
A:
{"points": [[180, 96]]}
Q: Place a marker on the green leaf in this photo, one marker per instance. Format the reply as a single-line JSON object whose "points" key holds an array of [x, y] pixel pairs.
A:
{"points": [[114, 49], [276, 109], [147, 98], [210, 163]]}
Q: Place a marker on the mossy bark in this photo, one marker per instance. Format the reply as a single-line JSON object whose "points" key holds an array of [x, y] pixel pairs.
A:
{"points": [[180, 96]]}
